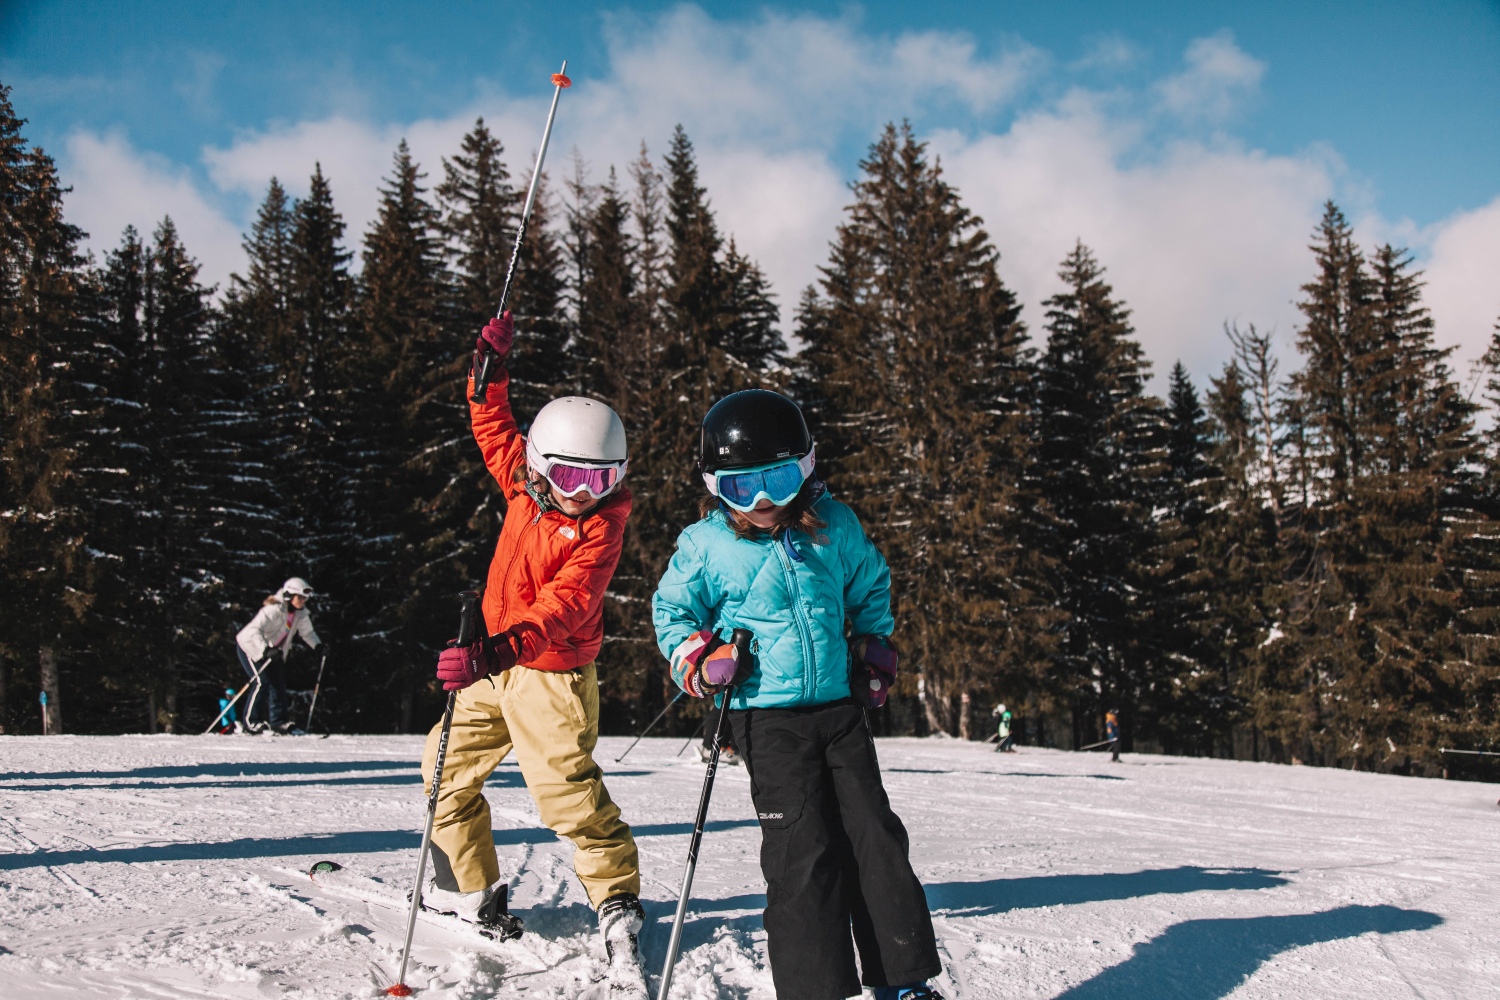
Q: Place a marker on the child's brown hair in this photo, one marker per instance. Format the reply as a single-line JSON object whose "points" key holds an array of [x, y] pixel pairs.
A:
{"points": [[797, 515]]}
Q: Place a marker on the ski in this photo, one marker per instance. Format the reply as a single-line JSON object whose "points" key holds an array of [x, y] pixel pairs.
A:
{"points": [[503, 926], [623, 977]]}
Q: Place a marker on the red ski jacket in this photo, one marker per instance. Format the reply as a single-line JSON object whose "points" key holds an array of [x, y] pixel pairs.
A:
{"points": [[547, 580]]}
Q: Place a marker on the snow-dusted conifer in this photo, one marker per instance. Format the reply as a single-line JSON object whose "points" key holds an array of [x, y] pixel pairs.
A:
{"points": [[915, 373], [1100, 468]]}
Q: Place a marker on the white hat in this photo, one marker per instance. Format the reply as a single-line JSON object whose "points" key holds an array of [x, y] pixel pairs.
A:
{"points": [[296, 586]]}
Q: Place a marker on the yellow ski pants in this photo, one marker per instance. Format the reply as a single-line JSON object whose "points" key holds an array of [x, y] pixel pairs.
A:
{"points": [[552, 721]]}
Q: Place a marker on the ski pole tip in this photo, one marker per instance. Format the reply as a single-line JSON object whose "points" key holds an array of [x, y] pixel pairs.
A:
{"points": [[398, 990], [559, 80]]}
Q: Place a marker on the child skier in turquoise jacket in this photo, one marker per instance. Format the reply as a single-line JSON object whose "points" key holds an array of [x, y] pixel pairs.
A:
{"points": [[776, 554]]}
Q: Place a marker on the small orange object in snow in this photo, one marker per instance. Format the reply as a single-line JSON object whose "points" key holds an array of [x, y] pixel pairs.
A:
{"points": [[399, 990], [558, 80]]}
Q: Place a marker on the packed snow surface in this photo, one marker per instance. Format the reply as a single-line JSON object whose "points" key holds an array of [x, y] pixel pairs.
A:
{"points": [[162, 867]]}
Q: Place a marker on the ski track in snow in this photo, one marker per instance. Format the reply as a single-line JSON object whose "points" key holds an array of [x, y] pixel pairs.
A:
{"points": [[170, 867]]}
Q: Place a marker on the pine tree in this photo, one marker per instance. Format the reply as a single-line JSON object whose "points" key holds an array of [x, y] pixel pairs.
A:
{"points": [[42, 340], [261, 421], [162, 489], [1479, 725], [914, 373], [481, 211], [1240, 534], [607, 332], [322, 300], [1192, 705], [1368, 665], [1100, 468], [410, 499]]}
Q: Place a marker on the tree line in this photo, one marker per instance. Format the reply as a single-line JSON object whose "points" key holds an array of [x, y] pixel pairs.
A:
{"points": [[1297, 566]]}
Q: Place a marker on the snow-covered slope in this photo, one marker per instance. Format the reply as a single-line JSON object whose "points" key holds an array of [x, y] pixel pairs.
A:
{"points": [[160, 867]]}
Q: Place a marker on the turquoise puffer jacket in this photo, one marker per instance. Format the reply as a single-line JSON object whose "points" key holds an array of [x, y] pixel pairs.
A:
{"points": [[793, 593]]}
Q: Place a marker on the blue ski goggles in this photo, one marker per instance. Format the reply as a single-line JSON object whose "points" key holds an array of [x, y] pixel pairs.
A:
{"points": [[778, 482]]}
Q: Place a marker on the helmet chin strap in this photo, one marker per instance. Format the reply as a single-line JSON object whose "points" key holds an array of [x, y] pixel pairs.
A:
{"points": [[540, 490]]}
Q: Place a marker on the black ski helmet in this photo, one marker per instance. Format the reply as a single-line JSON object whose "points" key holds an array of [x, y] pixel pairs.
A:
{"points": [[751, 427]]}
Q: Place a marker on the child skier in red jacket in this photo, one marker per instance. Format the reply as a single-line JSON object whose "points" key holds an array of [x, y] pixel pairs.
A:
{"points": [[535, 689]]}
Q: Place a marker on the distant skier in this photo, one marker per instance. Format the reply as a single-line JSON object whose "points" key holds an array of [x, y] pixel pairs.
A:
{"points": [[264, 644], [1112, 733], [543, 608], [727, 753], [1006, 742], [776, 554], [228, 714]]}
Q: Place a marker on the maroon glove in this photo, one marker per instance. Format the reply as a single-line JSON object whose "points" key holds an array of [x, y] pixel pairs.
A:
{"points": [[872, 670], [458, 668], [497, 335]]}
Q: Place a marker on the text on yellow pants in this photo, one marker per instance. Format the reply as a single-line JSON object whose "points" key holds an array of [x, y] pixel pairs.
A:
{"points": [[552, 720]]}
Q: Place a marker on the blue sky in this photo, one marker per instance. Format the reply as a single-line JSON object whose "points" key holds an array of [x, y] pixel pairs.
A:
{"points": [[1189, 143]]}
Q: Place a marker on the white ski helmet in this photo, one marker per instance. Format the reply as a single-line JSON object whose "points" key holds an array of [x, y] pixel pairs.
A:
{"points": [[296, 586], [577, 429]]}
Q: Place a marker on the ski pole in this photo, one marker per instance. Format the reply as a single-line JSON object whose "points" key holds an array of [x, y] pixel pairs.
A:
{"points": [[741, 641], [649, 725], [483, 359], [314, 703], [254, 679], [698, 729], [467, 631]]}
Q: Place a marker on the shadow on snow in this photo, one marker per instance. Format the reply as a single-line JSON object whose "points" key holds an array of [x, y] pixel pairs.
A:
{"points": [[229, 769], [335, 844], [997, 895], [1208, 959]]}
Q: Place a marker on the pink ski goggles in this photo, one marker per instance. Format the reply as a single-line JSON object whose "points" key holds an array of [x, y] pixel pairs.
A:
{"points": [[595, 480]]}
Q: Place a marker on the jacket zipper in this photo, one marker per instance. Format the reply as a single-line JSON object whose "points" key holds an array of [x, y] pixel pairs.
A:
{"points": [[514, 555], [803, 629]]}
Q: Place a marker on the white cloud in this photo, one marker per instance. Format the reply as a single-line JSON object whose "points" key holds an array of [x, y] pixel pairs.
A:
{"points": [[1190, 239], [115, 186], [1194, 232], [1461, 256], [1219, 76]]}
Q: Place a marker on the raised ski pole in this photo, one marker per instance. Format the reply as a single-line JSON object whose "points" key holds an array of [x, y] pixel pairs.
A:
{"points": [[468, 627], [484, 359], [741, 642], [649, 725], [316, 687]]}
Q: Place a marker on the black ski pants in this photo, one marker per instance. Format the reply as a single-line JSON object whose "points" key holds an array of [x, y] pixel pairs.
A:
{"points": [[833, 854], [271, 689]]}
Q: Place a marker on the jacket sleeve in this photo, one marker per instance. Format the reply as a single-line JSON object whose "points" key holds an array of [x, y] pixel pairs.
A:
{"points": [[305, 630], [685, 599], [251, 638], [566, 601], [495, 429], [867, 580]]}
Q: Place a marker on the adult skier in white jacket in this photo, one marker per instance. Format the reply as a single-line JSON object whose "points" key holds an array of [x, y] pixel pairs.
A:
{"points": [[263, 645]]}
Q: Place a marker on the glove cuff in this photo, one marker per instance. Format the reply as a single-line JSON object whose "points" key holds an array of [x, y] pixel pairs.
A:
{"points": [[687, 661]]}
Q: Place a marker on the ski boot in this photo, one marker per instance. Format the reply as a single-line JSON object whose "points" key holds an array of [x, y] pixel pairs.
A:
{"points": [[620, 921], [727, 754], [288, 729], [486, 909]]}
